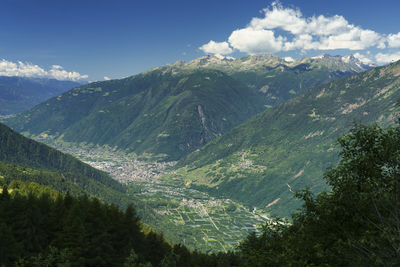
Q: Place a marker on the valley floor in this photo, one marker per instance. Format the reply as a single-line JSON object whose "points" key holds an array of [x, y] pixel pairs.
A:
{"points": [[184, 215]]}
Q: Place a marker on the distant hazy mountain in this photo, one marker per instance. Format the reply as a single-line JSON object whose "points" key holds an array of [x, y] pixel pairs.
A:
{"points": [[170, 111], [18, 94], [265, 160]]}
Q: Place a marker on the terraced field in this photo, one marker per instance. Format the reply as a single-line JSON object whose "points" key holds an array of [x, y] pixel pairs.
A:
{"points": [[196, 219]]}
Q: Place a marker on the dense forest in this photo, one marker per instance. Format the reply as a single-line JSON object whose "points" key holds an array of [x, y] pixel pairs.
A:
{"points": [[356, 223], [39, 227]]}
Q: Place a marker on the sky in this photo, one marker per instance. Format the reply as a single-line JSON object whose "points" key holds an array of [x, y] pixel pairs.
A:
{"points": [[90, 40]]}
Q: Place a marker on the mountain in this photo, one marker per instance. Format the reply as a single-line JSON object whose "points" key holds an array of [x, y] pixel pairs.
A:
{"points": [[170, 111], [277, 79], [163, 112], [18, 94], [263, 161]]}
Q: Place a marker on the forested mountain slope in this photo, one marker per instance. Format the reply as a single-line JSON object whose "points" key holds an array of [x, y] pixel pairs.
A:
{"points": [[27, 160], [161, 112], [265, 160], [173, 110]]}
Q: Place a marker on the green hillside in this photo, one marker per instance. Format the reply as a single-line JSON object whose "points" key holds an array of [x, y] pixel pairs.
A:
{"points": [[162, 113], [265, 160], [22, 159], [17, 150], [170, 111]]}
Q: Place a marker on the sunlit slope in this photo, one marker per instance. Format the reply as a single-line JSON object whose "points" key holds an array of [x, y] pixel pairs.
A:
{"points": [[286, 148]]}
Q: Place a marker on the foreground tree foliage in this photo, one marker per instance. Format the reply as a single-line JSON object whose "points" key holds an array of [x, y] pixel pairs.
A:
{"points": [[41, 228], [357, 223]]}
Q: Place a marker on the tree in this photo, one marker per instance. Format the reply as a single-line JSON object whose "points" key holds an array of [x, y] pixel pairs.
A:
{"points": [[356, 223]]}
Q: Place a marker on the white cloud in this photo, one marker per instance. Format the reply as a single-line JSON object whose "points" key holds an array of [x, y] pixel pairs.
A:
{"points": [[288, 59], [107, 78], [353, 39], [325, 26], [212, 47], [302, 42], [363, 58], [394, 40], [253, 41], [57, 72], [286, 29], [278, 17], [8, 68], [382, 58]]}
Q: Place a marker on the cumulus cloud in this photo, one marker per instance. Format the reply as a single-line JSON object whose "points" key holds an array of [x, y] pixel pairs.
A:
{"points": [[384, 58], [216, 48], [363, 58], [278, 17], [353, 39], [288, 59], [255, 41], [282, 29], [106, 78], [394, 40], [8, 68]]}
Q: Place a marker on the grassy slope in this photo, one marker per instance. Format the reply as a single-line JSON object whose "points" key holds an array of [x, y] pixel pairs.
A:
{"points": [[289, 147]]}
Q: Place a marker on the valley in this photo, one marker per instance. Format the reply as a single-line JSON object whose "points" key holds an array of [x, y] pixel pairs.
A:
{"points": [[185, 215], [199, 167], [199, 133]]}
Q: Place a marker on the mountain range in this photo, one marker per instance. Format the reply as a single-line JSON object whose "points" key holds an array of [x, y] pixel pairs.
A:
{"points": [[170, 111], [214, 118], [19, 94]]}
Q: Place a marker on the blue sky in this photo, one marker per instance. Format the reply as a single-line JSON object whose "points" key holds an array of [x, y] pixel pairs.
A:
{"points": [[91, 40]]}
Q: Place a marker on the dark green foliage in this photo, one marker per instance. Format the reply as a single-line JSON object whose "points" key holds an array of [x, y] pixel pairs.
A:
{"points": [[73, 183], [68, 231], [354, 224]]}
